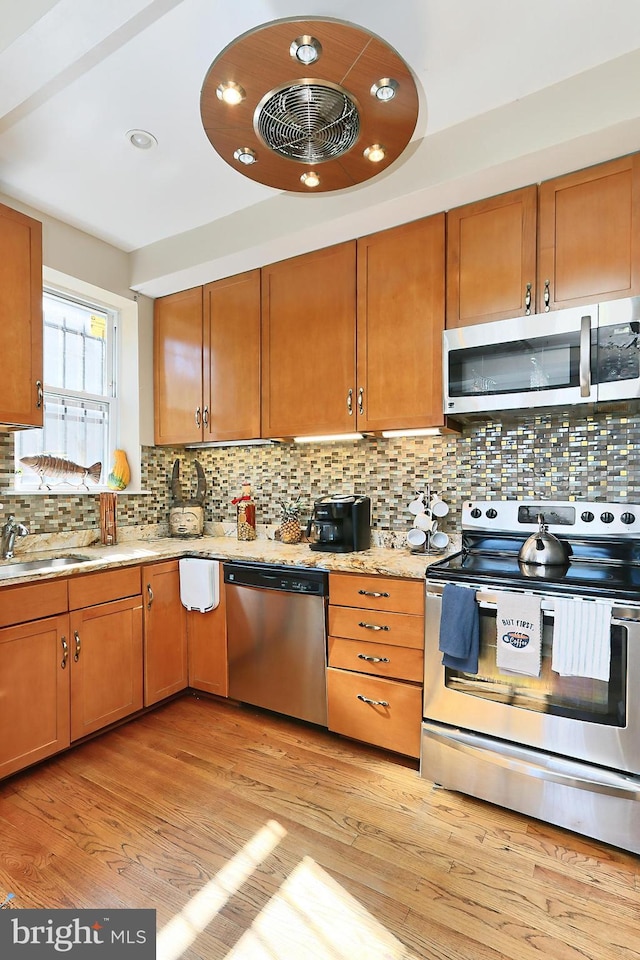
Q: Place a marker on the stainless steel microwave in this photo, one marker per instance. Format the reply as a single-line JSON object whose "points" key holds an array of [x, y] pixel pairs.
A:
{"points": [[579, 355]]}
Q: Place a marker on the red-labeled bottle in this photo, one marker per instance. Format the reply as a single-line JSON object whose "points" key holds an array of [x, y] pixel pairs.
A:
{"points": [[246, 514]]}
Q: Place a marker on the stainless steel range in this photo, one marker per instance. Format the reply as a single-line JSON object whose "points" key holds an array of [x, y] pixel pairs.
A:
{"points": [[546, 720]]}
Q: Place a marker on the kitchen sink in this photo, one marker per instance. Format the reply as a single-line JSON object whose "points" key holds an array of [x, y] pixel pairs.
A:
{"points": [[10, 569]]}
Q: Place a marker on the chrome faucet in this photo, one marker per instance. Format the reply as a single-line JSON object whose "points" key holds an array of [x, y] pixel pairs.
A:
{"points": [[10, 531]]}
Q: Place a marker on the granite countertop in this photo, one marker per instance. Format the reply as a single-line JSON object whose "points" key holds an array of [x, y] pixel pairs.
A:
{"points": [[377, 560]]}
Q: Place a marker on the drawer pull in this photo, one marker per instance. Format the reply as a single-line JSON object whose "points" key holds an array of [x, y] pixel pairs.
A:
{"points": [[375, 703], [363, 656], [371, 593], [372, 626]]}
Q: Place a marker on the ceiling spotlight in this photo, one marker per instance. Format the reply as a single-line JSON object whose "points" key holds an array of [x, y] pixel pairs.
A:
{"points": [[245, 155], [310, 179], [375, 153], [384, 89], [141, 139], [230, 92], [306, 49]]}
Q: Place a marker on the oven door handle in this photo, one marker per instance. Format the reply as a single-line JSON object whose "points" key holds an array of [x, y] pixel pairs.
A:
{"points": [[632, 616], [573, 775]]}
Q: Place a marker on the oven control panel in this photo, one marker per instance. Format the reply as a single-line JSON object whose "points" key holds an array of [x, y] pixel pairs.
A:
{"points": [[569, 517]]}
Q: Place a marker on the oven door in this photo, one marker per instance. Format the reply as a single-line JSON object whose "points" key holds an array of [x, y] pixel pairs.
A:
{"points": [[576, 717]]}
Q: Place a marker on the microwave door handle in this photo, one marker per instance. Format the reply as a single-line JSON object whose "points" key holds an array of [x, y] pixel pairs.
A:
{"points": [[585, 356]]}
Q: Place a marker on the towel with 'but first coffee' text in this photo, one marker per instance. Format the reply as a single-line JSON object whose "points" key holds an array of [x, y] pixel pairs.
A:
{"points": [[519, 634]]}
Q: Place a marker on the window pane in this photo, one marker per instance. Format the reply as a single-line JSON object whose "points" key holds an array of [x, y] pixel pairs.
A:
{"points": [[75, 346]]}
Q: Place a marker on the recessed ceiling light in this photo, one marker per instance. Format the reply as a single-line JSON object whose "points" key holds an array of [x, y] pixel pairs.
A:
{"points": [[230, 92], [306, 49], [141, 139], [245, 155], [310, 179], [385, 89], [375, 153]]}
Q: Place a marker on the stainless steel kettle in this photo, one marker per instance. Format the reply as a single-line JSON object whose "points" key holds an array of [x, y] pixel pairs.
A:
{"points": [[543, 548]]}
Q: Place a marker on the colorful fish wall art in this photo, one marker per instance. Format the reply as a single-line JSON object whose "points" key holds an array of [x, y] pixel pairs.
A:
{"points": [[63, 471]]}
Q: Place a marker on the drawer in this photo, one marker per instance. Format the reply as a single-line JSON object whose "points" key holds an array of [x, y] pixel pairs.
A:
{"points": [[393, 721], [93, 588], [396, 629], [377, 593], [32, 601], [378, 659]]}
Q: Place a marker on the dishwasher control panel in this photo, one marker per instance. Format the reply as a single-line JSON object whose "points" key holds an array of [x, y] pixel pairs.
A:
{"points": [[264, 576]]}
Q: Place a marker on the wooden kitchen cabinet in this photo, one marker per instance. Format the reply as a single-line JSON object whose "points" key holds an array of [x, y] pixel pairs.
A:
{"points": [[231, 342], [309, 343], [178, 367], [589, 235], [400, 297], [207, 642], [491, 258], [376, 660], [105, 648], [21, 331], [165, 632]]}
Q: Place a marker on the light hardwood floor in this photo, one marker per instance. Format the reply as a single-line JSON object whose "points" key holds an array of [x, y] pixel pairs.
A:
{"points": [[260, 838]]}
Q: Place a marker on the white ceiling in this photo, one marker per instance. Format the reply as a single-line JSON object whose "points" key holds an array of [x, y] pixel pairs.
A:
{"points": [[512, 91]]}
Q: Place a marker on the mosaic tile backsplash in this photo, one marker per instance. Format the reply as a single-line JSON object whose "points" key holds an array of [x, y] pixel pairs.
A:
{"points": [[554, 457]]}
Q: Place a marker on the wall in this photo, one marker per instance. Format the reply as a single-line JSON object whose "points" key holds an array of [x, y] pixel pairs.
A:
{"points": [[553, 456]]}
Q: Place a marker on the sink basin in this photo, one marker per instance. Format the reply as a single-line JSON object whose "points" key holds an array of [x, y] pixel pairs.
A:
{"points": [[10, 569]]}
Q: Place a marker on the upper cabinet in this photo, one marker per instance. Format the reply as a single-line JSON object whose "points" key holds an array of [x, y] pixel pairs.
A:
{"points": [[177, 360], [491, 258], [589, 235], [21, 400], [309, 343], [232, 348], [399, 329]]}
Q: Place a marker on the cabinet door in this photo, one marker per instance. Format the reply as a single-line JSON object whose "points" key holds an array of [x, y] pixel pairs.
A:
{"points": [[491, 258], [177, 367], [165, 632], [308, 343], [232, 341], [589, 235], [400, 324], [105, 655], [20, 319], [34, 692], [207, 635]]}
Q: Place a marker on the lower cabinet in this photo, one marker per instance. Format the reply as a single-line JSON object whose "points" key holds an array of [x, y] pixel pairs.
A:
{"points": [[375, 658], [165, 632], [207, 642]]}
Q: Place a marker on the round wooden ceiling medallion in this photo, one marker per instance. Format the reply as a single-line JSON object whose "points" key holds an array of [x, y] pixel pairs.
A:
{"points": [[309, 106]]}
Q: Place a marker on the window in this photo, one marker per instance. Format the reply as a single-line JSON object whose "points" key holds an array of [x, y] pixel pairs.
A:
{"points": [[80, 403]]}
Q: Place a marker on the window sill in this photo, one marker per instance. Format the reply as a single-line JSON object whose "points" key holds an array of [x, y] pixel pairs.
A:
{"points": [[70, 491]]}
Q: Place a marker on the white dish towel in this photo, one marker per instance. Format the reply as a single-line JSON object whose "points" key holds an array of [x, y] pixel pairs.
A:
{"points": [[582, 638], [199, 583], [519, 634]]}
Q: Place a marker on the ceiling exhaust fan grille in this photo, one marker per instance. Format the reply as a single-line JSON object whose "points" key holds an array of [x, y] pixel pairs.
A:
{"points": [[310, 122]]}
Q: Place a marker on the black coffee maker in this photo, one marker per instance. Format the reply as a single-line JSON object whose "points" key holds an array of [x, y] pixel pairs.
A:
{"points": [[340, 524]]}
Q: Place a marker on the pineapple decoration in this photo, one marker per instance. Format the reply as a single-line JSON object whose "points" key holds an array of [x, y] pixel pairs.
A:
{"points": [[290, 530]]}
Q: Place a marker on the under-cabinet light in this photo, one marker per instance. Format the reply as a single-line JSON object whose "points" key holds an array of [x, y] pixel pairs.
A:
{"points": [[329, 437], [424, 432], [227, 443]]}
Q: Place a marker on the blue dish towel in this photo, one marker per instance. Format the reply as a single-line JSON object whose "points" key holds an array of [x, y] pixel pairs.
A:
{"points": [[459, 629]]}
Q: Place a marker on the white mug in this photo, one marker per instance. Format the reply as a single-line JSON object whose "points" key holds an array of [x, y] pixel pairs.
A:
{"points": [[417, 506], [416, 538], [439, 540], [438, 507], [424, 521]]}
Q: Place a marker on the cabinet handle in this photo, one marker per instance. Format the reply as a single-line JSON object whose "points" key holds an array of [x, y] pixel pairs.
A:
{"points": [[372, 626], [361, 401], [65, 652], [150, 595], [527, 301], [205, 416], [350, 402], [39, 394], [375, 703], [363, 656], [371, 593], [547, 296], [76, 637], [198, 417]]}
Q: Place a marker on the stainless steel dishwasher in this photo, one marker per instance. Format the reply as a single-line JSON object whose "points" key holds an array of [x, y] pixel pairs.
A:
{"points": [[276, 637]]}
